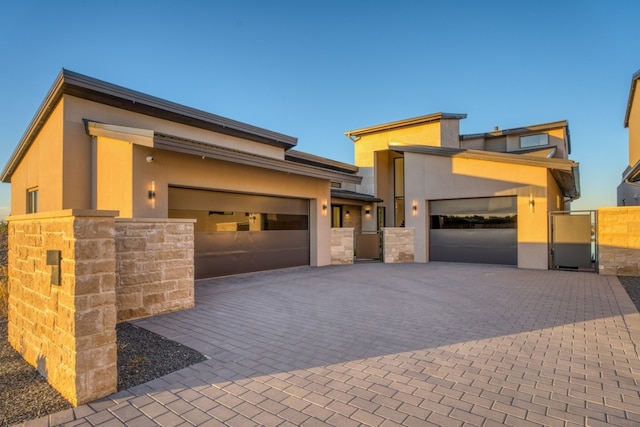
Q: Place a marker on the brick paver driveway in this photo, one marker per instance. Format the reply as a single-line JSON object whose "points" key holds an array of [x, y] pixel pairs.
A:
{"points": [[383, 345]]}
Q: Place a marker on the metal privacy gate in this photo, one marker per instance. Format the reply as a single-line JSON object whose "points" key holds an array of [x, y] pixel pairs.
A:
{"points": [[572, 240], [368, 246]]}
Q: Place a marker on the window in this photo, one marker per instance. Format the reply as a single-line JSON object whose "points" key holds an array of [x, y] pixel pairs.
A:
{"points": [[398, 175], [534, 140], [32, 200], [336, 184]]}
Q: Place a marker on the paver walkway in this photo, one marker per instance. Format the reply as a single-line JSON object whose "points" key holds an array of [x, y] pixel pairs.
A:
{"points": [[387, 345]]}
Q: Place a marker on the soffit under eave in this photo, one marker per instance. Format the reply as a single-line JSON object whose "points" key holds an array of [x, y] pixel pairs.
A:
{"points": [[568, 181]]}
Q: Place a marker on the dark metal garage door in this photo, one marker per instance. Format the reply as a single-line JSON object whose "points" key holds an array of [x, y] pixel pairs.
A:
{"points": [[239, 233], [481, 230]]}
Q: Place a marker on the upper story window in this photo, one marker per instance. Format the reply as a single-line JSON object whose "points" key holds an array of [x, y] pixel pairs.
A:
{"points": [[32, 200], [534, 140], [336, 184]]}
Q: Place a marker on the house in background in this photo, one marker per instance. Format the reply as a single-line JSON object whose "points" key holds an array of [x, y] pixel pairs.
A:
{"points": [[481, 198], [629, 188], [258, 203]]}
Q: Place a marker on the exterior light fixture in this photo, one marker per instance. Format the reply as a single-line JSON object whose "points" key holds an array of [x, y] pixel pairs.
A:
{"points": [[324, 207], [367, 212], [414, 208], [347, 214], [152, 194], [532, 203]]}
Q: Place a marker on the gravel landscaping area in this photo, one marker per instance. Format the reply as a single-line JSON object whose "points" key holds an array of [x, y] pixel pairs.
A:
{"points": [[142, 356]]}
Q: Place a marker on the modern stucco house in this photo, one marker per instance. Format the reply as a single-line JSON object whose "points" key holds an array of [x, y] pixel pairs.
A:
{"points": [[629, 188], [258, 203], [470, 198]]}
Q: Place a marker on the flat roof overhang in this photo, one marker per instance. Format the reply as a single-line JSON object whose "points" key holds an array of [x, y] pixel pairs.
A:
{"points": [[414, 121], [84, 87], [151, 139], [353, 197], [565, 172]]}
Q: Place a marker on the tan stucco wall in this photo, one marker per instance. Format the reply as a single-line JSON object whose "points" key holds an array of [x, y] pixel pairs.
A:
{"points": [[634, 128], [41, 167], [425, 134], [114, 175], [452, 178], [124, 176]]}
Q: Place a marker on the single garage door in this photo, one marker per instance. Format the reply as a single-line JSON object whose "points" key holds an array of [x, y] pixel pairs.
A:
{"points": [[240, 233], [481, 230]]}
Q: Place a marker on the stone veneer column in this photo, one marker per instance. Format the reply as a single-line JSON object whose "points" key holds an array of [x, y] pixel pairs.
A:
{"points": [[398, 244], [342, 246], [66, 331], [154, 265], [619, 241]]}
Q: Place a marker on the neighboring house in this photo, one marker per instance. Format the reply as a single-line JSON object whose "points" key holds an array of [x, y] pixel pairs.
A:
{"points": [[629, 188], [258, 204], [470, 198]]}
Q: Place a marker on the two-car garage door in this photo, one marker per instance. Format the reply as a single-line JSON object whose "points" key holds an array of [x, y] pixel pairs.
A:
{"points": [[479, 230], [239, 233]]}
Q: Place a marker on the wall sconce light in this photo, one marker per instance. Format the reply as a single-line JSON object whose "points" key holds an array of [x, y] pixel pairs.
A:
{"points": [[414, 208], [532, 203], [367, 212], [347, 214], [324, 207], [152, 194]]}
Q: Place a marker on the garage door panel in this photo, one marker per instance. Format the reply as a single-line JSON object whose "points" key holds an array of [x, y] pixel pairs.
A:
{"points": [[239, 233], [475, 246], [221, 254], [480, 230]]}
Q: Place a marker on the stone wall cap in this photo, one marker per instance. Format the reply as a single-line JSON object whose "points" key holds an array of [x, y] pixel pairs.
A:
{"points": [[158, 220], [65, 213]]}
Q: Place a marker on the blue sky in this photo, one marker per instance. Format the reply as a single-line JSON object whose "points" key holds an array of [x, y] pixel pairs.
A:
{"points": [[314, 70]]}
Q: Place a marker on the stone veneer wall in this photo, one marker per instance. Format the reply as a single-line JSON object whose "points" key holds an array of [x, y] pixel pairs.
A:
{"points": [[398, 245], [619, 241], [342, 245], [154, 266], [66, 331]]}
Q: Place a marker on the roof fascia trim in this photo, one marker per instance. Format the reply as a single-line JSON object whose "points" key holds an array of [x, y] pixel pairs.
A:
{"points": [[516, 131], [313, 159], [520, 159], [46, 107], [436, 117], [632, 91], [85, 87]]}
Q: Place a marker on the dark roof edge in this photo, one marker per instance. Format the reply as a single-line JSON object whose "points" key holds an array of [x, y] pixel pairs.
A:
{"points": [[339, 193], [323, 162], [406, 122], [632, 90], [79, 85], [518, 130]]}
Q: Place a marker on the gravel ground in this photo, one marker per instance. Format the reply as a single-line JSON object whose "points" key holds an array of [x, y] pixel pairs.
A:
{"points": [[632, 285], [142, 356]]}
